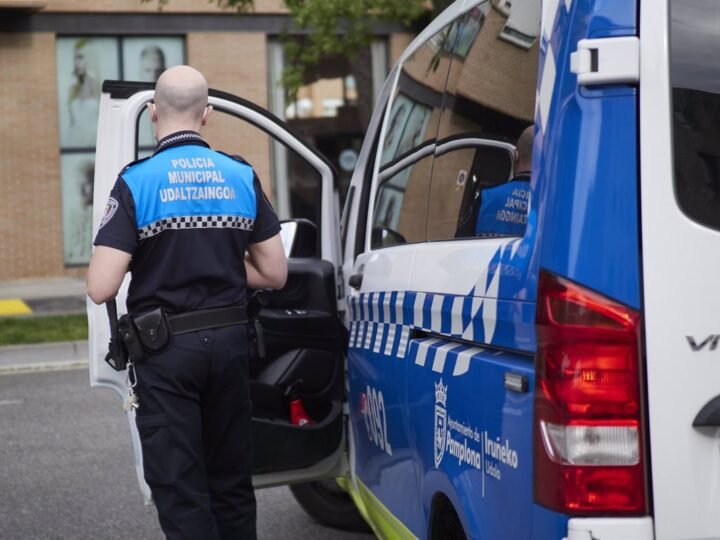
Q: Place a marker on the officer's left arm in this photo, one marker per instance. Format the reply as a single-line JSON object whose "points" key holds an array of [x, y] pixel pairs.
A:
{"points": [[106, 272], [266, 265]]}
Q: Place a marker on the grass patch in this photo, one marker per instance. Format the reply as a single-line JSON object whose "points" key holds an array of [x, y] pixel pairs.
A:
{"points": [[25, 330]]}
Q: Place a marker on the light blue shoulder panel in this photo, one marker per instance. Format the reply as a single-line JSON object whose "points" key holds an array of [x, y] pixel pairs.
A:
{"points": [[188, 181]]}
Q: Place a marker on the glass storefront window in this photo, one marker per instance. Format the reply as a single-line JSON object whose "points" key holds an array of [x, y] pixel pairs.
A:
{"points": [[331, 111], [83, 63]]}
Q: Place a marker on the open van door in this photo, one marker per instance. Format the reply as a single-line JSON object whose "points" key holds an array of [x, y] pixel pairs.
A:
{"points": [[680, 191], [304, 338]]}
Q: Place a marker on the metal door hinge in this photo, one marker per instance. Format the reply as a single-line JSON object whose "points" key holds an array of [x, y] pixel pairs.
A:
{"points": [[611, 60]]}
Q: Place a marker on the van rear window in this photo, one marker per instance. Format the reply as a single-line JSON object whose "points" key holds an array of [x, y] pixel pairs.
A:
{"points": [[695, 79]]}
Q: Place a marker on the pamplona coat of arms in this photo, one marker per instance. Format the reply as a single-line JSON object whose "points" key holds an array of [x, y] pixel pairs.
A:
{"points": [[440, 421]]}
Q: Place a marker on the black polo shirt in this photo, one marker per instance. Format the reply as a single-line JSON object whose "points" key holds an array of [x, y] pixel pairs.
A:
{"points": [[186, 215]]}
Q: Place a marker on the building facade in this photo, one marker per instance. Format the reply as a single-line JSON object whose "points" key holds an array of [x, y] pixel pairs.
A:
{"points": [[54, 55]]}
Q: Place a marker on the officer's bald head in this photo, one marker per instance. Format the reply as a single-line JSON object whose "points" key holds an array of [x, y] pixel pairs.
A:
{"points": [[524, 146], [181, 94]]}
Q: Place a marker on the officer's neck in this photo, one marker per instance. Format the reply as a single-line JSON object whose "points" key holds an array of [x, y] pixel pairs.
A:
{"points": [[522, 169], [165, 129]]}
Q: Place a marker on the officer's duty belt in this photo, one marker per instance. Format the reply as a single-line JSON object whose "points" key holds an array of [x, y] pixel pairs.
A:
{"points": [[205, 319]]}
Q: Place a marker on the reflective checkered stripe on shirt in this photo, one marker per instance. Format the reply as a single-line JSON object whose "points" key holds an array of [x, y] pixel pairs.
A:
{"points": [[197, 222]]}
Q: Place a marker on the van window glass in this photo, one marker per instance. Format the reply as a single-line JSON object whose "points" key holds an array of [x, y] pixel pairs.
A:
{"points": [[364, 203], [406, 151], [416, 105], [461, 176], [695, 79], [480, 182], [401, 204]]}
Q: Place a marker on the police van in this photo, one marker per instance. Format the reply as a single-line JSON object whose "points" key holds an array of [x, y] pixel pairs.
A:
{"points": [[486, 357]]}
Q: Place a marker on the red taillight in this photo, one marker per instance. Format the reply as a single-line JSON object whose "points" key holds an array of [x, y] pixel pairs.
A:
{"points": [[588, 456]]}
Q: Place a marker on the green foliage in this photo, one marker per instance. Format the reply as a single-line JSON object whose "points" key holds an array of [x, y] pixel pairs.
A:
{"points": [[330, 27], [40, 329], [336, 26]]}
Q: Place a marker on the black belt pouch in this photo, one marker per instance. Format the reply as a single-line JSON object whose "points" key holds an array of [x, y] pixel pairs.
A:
{"points": [[130, 338], [153, 330]]}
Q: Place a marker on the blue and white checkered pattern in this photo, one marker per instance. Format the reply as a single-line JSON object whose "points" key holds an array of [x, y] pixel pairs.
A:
{"points": [[382, 321], [393, 340], [436, 353]]}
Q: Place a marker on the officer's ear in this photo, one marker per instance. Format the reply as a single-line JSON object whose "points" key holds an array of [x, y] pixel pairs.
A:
{"points": [[206, 113], [153, 111]]}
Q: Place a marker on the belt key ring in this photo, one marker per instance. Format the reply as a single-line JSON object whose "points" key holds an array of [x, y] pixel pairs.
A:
{"points": [[131, 403]]}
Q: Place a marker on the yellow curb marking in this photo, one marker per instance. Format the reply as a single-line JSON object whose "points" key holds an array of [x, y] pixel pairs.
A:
{"points": [[14, 306]]}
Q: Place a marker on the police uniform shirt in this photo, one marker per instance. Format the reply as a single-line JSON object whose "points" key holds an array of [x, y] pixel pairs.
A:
{"points": [[504, 208], [186, 215]]}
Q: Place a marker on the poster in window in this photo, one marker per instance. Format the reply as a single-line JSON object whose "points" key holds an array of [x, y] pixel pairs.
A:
{"points": [[388, 206], [398, 118], [77, 171], [413, 134], [83, 63], [450, 37], [469, 30], [144, 59]]}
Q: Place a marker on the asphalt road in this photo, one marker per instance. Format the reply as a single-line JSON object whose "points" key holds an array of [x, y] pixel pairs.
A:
{"points": [[66, 469]]}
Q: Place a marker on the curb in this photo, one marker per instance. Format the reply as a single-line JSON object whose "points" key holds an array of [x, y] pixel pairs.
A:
{"points": [[42, 306], [14, 369], [34, 288], [14, 306], [43, 357]]}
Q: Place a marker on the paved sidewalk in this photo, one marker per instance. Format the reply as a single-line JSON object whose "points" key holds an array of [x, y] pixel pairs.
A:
{"points": [[42, 296], [49, 296], [43, 357]]}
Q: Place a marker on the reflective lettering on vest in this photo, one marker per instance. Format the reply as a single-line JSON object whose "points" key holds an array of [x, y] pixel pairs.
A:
{"points": [[195, 193], [504, 209]]}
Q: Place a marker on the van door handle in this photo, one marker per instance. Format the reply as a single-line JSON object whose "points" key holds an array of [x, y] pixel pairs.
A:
{"points": [[355, 280], [709, 415]]}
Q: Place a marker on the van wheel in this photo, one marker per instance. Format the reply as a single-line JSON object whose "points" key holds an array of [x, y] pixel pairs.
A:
{"points": [[328, 504], [444, 522]]}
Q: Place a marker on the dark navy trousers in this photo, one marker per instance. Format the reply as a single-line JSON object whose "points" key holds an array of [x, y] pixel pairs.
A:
{"points": [[194, 424]]}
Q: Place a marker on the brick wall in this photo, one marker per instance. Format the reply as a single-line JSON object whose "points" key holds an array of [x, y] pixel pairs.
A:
{"points": [[31, 222], [30, 211], [398, 43], [30, 208], [498, 74]]}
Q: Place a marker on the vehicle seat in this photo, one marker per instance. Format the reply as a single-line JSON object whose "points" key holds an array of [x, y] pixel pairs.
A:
{"points": [[268, 390]]}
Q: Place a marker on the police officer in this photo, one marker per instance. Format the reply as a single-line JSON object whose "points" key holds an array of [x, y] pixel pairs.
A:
{"points": [[194, 228], [504, 208]]}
